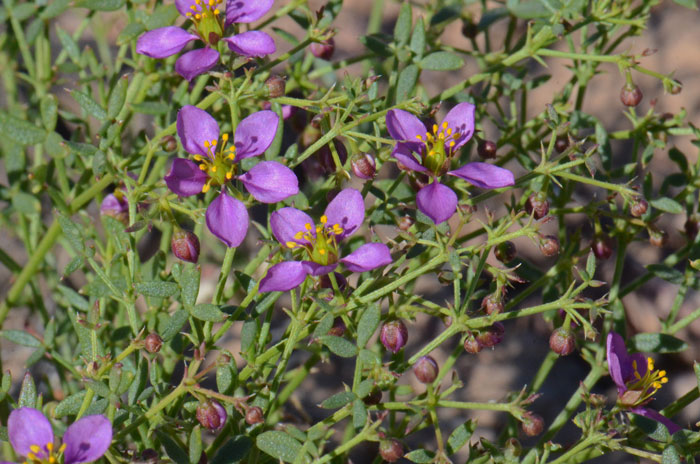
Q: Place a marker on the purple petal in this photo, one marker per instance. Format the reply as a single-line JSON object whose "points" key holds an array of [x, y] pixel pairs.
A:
{"points": [[185, 178], [251, 43], [651, 414], [404, 155], [437, 201], [484, 175], [163, 42], [284, 276], [270, 182], [369, 256], [196, 62], [27, 427], [113, 206], [183, 6], [405, 127], [316, 269], [227, 219], [461, 120], [255, 134], [286, 222], [347, 210], [246, 11], [87, 439], [618, 361], [195, 126]]}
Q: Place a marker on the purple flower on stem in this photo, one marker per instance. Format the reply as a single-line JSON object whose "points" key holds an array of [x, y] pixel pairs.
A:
{"points": [[210, 24], [636, 380], [434, 152], [318, 245], [215, 164], [31, 436]]}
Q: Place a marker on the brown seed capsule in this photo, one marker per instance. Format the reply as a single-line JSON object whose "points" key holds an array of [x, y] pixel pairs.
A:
{"points": [[323, 50], [472, 345], [254, 415], [505, 252], [364, 166], [532, 424], [492, 304], [657, 237], [562, 341], [153, 343], [692, 225], [630, 95], [602, 247], [491, 335], [426, 369], [185, 245], [639, 207], [537, 205], [549, 245], [275, 86], [391, 450], [405, 223], [561, 144], [374, 397], [469, 29], [487, 149], [394, 335], [169, 143], [211, 415]]}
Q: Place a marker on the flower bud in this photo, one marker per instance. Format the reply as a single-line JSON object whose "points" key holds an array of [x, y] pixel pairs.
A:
{"points": [[492, 304], [426, 369], [116, 206], [405, 223], [169, 143], [486, 149], [391, 450], [153, 343], [394, 335], [561, 144], [324, 49], [338, 328], [472, 345], [275, 86], [630, 95], [639, 207], [254, 415], [602, 247], [505, 252], [549, 245], [469, 29], [562, 341], [532, 424], [374, 397], [657, 237], [185, 245], [491, 335], [364, 166], [537, 205], [211, 415]]}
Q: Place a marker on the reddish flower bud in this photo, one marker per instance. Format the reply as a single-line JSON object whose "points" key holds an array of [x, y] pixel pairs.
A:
{"points": [[169, 143], [549, 245], [426, 369], [561, 144], [602, 247], [364, 166], [657, 237], [562, 341], [153, 343], [391, 450], [537, 205], [532, 424], [486, 149], [630, 95], [211, 415], [185, 245], [492, 304], [405, 223], [639, 207], [505, 252], [323, 50], [338, 328], [275, 86], [373, 397], [491, 335], [254, 415], [394, 335], [472, 345]]}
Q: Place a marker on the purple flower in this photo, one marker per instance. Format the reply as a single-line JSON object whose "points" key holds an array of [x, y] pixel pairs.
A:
{"points": [[31, 436], [636, 380], [215, 165], [318, 246], [434, 152], [210, 24]]}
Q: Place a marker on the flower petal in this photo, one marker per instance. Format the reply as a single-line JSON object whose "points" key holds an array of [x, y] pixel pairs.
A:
{"points": [[404, 155], [316, 269], [618, 361], [163, 42], [185, 178], [369, 256], [461, 120], [286, 222], [651, 414], [484, 175], [183, 6], [255, 133], [404, 126], [227, 219], [27, 427], [347, 210], [437, 201], [195, 126], [251, 43], [246, 11], [87, 439], [270, 182], [196, 62], [284, 276], [113, 206]]}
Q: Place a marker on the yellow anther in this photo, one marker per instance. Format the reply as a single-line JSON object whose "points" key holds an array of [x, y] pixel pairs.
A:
{"points": [[321, 252], [419, 138], [435, 128], [324, 219], [444, 125], [205, 188], [213, 169], [431, 153], [307, 226], [456, 135], [216, 12], [231, 156], [299, 235], [188, 15], [206, 143], [49, 446], [198, 157], [62, 448], [441, 136], [198, 16], [52, 460], [664, 380], [452, 143], [449, 131], [202, 167], [232, 148], [662, 373], [31, 457], [35, 448], [656, 385], [204, 15], [213, 143], [229, 175], [291, 244], [211, 2], [198, 1], [224, 137], [193, 8]]}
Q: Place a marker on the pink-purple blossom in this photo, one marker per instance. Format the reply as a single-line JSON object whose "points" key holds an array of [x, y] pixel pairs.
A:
{"points": [[31, 436], [217, 165], [430, 153], [210, 24], [317, 246]]}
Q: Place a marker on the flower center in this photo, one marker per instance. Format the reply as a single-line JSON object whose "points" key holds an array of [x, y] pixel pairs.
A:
{"points": [[207, 20], [219, 164], [438, 146], [323, 246], [40, 456], [642, 388]]}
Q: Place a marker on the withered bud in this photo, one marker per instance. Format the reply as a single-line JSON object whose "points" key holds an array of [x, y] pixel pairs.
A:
{"points": [[338, 328], [561, 144], [148, 456], [373, 397], [532, 424], [325, 156], [472, 345], [657, 237], [364, 166], [486, 149], [426, 369], [691, 226], [153, 343], [514, 447], [254, 415], [630, 95], [275, 86], [602, 247], [537, 205], [185, 245], [492, 304], [549, 245], [562, 341], [211, 415], [491, 335], [169, 143], [505, 252], [405, 223], [309, 136], [677, 87], [394, 335], [391, 450], [639, 207], [469, 29], [324, 49]]}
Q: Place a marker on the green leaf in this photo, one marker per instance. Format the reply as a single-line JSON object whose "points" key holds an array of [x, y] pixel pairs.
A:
{"points": [[375, 43], [666, 273], [89, 105], [679, 158], [658, 343], [207, 312], [369, 321], [175, 323], [101, 5], [117, 97], [54, 8], [279, 445], [189, 282], [402, 29], [49, 111], [421, 456], [406, 82], [528, 9], [100, 388], [162, 16], [696, 368], [226, 378], [70, 406], [338, 400], [668, 205], [172, 448], [157, 288], [130, 32], [21, 337], [692, 4], [233, 451], [248, 333], [324, 325], [20, 131], [359, 414], [72, 233], [27, 394], [670, 455], [339, 346], [417, 45], [459, 437], [74, 298], [26, 203], [69, 45], [195, 445], [441, 61], [152, 108]]}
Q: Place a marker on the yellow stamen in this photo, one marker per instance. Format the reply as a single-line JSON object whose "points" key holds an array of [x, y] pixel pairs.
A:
{"points": [[49, 446], [62, 448], [324, 219], [206, 144], [213, 169], [35, 449], [202, 167], [216, 12], [299, 235], [224, 137], [449, 131], [307, 226], [198, 157], [52, 460], [291, 244], [435, 128], [205, 188], [31, 457], [321, 252], [189, 15], [229, 175], [452, 143], [204, 15], [444, 125], [213, 143], [231, 156], [193, 8]]}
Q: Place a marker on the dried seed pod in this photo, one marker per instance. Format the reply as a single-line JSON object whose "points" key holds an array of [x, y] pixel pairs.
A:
{"points": [[639, 207], [472, 345], [169, 143], [505, 252], [211, 415], [374, 397], [338, 328], [405, 223], [631, 95], [185, 245], [491, 335], [561, 144], [324, 49], [487, 149], [153, 343], [492, 304], [254, 415], [469, 28], [562, 341], [364, 166], [275, 86], [391, 450], [549, 245], [537, 205], [394, 335], [532, 424], [602, 247], [657, 237], [426, 369]]}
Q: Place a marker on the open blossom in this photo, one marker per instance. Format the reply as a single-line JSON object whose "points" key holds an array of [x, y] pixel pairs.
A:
{"points": [[31, 436], [430, 153], [216, 165], [318, 245], [209, 23], [636, 379]]}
